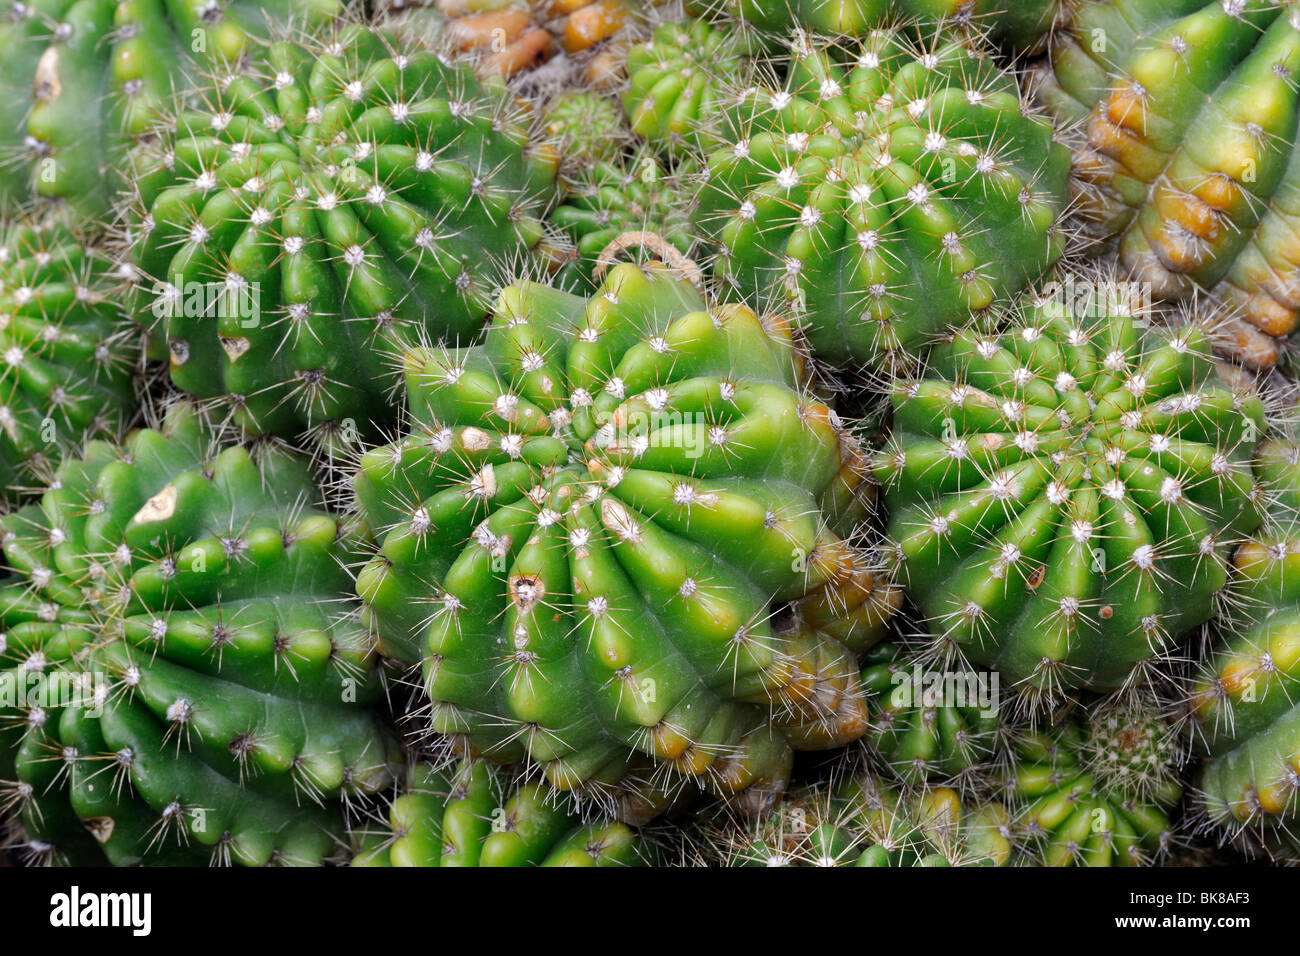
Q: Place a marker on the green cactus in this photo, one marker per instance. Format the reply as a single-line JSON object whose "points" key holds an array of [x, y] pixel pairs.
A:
{"points": [[883, 200], [637, 203], [861, 821], [1099, 795], [465, 817], [929, 726], [585, 130], [1243, 702], [232, 698], [585, 528], [86, 78], [69, 354], [677, 83], [296, 236], [1018, 24], [1064, 493], [1186, 113]]}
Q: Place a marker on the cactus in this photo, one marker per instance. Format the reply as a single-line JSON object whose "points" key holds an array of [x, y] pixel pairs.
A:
{"points": [[69, 353], [636, 204], [466, 817], [1097, 795], [586, 526], [1185, 113], [292, 239], [1019, 24], [585, 129], [863, 822], [230, 698], [920, 731], [1243, 703], [883, 200], [95, 75], [1064, 493], [677, 83]]}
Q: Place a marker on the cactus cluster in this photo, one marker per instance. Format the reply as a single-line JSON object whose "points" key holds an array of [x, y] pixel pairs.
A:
{"points": [[623, 433]]}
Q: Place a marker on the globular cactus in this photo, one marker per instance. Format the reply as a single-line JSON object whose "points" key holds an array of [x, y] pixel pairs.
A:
{"points": [[585, 130], [586, 527], [1186, 120], [931, 726], [861, 821], [619, 206], [678, 83], [1243, 701], [1064, 493], [293, 236], [1098, 794], [1019, 24], [69, 353], [86, 78], [233, 698], [883, 192], [468, 816]]}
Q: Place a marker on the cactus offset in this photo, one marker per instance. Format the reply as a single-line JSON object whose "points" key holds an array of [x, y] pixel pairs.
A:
{"points": [[677, 83], [883, 200], [1064, 493], [920, 734], [361, 198], [621, 206], [1097, 795], [588, 522], [864, 822], [465, 817]]}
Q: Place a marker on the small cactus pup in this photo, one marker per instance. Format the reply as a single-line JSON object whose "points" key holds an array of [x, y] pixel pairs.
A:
{"points": [[1185, 117], [97, 75], [1064, 492], [883, 192], [863, 821], [468, 815], [1243, 702], [930, 726], [621, 206], [588, 524], [297, 233], [678, 82], [1021, 25], [235, 708], [1097, 794], [585, 130], [70, 354]]}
